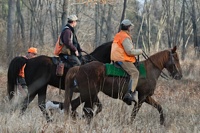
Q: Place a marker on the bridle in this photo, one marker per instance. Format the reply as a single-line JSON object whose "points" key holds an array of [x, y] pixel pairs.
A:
{"points": [[172, 62]]}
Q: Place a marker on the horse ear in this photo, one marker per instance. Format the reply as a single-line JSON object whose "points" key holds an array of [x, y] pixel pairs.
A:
{"points": [[174, 49]]}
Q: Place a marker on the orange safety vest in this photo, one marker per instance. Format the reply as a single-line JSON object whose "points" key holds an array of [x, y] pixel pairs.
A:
{"points": [[117, 50], [58, 47], [21, 72]]}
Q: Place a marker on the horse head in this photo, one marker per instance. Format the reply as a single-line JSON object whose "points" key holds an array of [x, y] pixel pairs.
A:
{"points": [[173, 64]]}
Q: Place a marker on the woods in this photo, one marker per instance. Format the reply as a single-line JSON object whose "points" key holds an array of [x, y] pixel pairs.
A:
{"points": [[158, 24]]}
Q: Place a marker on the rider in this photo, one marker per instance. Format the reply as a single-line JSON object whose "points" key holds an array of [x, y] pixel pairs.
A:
{"points": [[31, 53], [124, 53], [71, 48]]}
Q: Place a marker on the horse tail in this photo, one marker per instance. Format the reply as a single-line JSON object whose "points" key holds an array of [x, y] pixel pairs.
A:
{"points": [[13, 71], [69, 82]]}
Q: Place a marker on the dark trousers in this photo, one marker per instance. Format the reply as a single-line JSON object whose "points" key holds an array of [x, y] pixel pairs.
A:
{"points": [[74, 60], [21, 81], [71, 59]]}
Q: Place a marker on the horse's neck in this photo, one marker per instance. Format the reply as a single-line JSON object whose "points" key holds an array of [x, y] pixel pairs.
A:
{"points": [[102, 53], [156, 63]]}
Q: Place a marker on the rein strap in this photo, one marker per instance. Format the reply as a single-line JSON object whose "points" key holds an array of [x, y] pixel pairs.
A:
{"points": [[163, 75]]}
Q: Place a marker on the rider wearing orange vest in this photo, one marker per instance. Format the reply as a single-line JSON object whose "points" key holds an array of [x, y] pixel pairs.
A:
{"points": [[124, 53], [31, 53], [67, 46]]}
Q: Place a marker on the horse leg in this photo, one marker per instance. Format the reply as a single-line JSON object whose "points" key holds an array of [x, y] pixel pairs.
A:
{"points": [[135, 110], [74, 105], [88, 107], [98, 104], [41, 102], [153, 103], [26, 102]]}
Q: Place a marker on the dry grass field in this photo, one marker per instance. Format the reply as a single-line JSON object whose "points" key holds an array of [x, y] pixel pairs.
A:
{"points": [[179, 99]]}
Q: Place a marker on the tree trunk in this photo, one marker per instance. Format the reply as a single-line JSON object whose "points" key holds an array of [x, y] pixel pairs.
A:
{"points": [[123, 12], [183, 33], [168, 8], [161, 27], [194, 25], [97, 40], [102, 22], [10, 29], [55, 31], [65, 12], [109, 23], [20, 19], [178, 27]]}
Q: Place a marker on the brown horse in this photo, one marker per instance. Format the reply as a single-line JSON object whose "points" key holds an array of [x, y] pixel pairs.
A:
{"points": [[91, 79]]}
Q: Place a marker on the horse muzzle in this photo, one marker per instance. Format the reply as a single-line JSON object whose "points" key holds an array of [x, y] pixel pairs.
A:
{"points": [[177, 76]]}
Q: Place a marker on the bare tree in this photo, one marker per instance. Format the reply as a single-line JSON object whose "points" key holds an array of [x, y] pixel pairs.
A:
{"points": [[10, 29], [123, 12], [65, 11], [195, 29], [183, 32], [97, 38], [109, 23], [20, 20], [161, 28], [54, 20]]}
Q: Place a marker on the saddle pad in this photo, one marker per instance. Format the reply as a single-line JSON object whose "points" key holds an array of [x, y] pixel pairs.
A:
{"points": [[112, 70], [142, 70]]}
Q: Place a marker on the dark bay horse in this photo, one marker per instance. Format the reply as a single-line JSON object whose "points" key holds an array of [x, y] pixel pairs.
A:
{"points": [[91, 79], [41, 72]]}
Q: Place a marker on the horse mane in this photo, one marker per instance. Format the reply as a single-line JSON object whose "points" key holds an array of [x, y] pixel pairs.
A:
{"points": [[160, 57], [102, 47], [101, 53]]}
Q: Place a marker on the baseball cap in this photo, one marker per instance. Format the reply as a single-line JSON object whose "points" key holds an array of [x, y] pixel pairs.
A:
{"points": [[73, 18], [127, 22], [32, 50]]}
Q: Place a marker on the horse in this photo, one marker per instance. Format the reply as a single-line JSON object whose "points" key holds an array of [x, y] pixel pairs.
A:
{"points": [[41, 72], [91, 79]]}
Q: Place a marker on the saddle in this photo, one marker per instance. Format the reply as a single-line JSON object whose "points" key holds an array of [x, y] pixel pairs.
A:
{"points": [[61, 64]]}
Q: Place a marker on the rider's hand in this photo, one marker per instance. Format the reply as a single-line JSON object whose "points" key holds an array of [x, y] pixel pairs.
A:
{"points": [[140, 51], [76, 53], [136, 52]]}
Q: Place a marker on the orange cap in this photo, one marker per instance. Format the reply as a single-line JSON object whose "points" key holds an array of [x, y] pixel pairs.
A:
{"points": [[32, 50]]}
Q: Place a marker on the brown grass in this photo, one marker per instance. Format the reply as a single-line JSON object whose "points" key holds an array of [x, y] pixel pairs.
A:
{"points": [[179, 99]]}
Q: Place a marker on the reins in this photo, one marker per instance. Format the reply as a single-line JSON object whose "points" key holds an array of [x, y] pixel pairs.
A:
{"points": [[163, 75], [92, 57]]}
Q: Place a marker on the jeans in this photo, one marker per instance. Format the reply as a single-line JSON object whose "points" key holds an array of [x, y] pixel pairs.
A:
{"points": [[74, 60], [21, 81], [71, 59]]}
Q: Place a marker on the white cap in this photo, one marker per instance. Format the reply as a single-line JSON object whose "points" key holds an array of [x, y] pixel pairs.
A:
{"points": [[73, 18], [126, 22]]}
